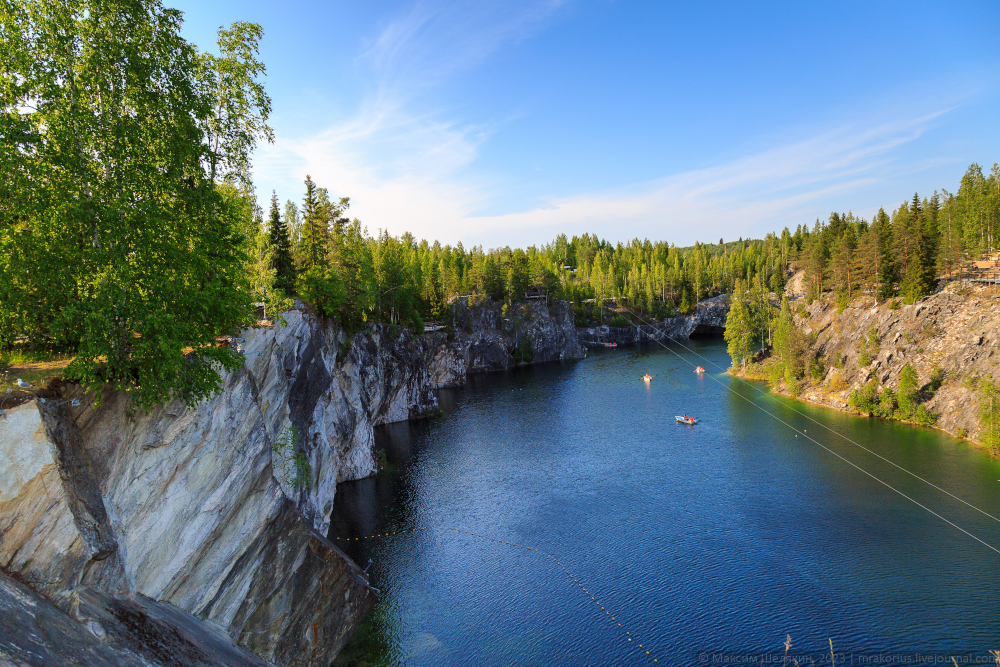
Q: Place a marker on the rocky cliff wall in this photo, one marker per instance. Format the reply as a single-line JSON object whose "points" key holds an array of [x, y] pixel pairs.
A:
{"points": [[707, 319], [956, 330], [487, 338], [156, 530]]}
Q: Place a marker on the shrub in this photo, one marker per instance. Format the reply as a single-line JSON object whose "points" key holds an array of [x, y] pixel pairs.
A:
{"points": [[923, 416], [961, 432], [816, 369], [775, 374], [323, 288], [842, 303], [865, 399], [792, 383], [908, 390], [887, 405], [619, 321], [837, 382], [523, 351], [937, 378], [989, 414]]}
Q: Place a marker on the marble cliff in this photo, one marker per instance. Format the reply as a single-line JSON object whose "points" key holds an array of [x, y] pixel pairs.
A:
{"points": [[198, 536]]}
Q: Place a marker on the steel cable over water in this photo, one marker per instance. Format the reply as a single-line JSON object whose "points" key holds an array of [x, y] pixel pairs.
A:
{"points": [[628, 634], [819, 444], [822, 425]]}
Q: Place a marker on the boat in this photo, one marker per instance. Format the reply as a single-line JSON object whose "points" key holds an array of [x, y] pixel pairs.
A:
{"points": [[690, 421], [610, 344], [647, 377], [699, 370]]}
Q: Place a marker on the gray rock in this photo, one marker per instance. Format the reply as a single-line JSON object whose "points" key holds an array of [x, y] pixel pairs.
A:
{"points": [[169, 527]]}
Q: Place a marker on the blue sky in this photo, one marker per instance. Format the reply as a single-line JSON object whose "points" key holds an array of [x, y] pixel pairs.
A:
{"points": [[505, 123]]}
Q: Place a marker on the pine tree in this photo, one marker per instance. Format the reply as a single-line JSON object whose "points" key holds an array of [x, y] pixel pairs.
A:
{"points": [[282, 245], [315, 249], [740, 326]]}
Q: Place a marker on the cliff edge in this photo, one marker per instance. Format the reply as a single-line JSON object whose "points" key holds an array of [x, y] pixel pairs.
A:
{"points": [[197, 536], [949, 338]]}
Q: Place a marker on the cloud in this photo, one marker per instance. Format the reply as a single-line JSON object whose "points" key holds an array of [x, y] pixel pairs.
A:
{"points": [[410, 171], [748, 196]]}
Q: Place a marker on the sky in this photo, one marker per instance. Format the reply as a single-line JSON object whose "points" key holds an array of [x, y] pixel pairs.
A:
{"points": [[509, 122]]}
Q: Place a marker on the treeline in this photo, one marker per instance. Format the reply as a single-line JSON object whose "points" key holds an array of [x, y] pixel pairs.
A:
{"points": [[901, 256], [335, 265], [130, 234]]}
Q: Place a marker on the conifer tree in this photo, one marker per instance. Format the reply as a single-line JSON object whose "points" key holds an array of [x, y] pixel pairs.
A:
{"points": [[314, 249], [739, 326], [282, 245]]}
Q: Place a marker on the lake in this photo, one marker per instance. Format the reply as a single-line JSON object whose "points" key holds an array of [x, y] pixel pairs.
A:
{"points": [[709, 544]]}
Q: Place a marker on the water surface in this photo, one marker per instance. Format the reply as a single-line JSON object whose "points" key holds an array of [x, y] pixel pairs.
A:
{"points": [[724, 537]]}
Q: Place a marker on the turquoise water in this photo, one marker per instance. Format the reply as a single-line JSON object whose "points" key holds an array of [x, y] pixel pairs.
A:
{"points": [[718, 539]]}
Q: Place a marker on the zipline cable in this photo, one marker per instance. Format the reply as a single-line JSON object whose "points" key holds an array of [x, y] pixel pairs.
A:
{"points": [[822, 425], [818, 443]]}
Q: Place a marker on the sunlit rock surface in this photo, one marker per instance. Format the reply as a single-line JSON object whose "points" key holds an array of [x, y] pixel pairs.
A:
{"points": [[147, 532]]}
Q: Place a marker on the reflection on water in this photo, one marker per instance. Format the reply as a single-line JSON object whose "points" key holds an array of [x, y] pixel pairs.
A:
{"points": [[725, 536]]}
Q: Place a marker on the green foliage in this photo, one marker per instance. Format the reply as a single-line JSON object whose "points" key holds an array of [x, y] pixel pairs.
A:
{"points": [[523, 352], [816, 369], [281, 246], [740, 333], [865, 399], [909, 388], [937, 378], [619, 321], [989, 414], [843, 301], [293, 463], [887, 406], [869, 347], [114, 237], [323, 288]]}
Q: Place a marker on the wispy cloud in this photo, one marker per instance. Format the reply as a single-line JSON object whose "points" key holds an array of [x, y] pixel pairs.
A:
{"points": [[414, 171], [750, 195]]}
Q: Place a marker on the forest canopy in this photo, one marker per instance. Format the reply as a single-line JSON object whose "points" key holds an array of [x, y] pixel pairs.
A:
{"points": [[130, 235]]}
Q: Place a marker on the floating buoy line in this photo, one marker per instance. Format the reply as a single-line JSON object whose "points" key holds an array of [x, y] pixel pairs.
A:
{"points": [[821, 445], [628, 637]]}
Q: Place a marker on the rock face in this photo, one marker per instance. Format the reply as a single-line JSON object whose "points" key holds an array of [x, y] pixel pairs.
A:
{"points": [[955, 330], [487, 339], [708, 319], [207, 526]]}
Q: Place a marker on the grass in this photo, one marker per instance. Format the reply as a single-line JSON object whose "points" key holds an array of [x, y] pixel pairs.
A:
{"points": [[36, 367]]}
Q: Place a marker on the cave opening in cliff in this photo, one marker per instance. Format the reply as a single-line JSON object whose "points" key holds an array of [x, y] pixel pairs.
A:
{"points": [[707, 331]]}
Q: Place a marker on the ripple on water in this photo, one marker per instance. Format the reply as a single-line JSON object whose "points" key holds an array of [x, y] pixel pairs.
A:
{"points": [[722, 537]]}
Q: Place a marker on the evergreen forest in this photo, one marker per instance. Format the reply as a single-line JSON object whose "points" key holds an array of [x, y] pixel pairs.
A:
{"points": [[131, 237]]}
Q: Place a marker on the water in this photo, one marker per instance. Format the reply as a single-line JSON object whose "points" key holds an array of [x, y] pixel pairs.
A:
{"points": [[724, 537]]}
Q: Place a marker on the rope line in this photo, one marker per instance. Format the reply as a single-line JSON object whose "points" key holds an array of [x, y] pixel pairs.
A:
{"points": [[822, 425], [559, 563], [818, 443]]}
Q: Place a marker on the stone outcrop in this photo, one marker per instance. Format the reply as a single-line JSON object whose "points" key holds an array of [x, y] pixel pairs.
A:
{"points": [[956, 330], [177, 527], [487, 338], [708, 319]]}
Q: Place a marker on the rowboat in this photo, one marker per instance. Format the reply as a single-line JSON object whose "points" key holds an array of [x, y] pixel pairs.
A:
{"points": [[699, 370], [690, 421], [647, 377], [610, 344]]}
